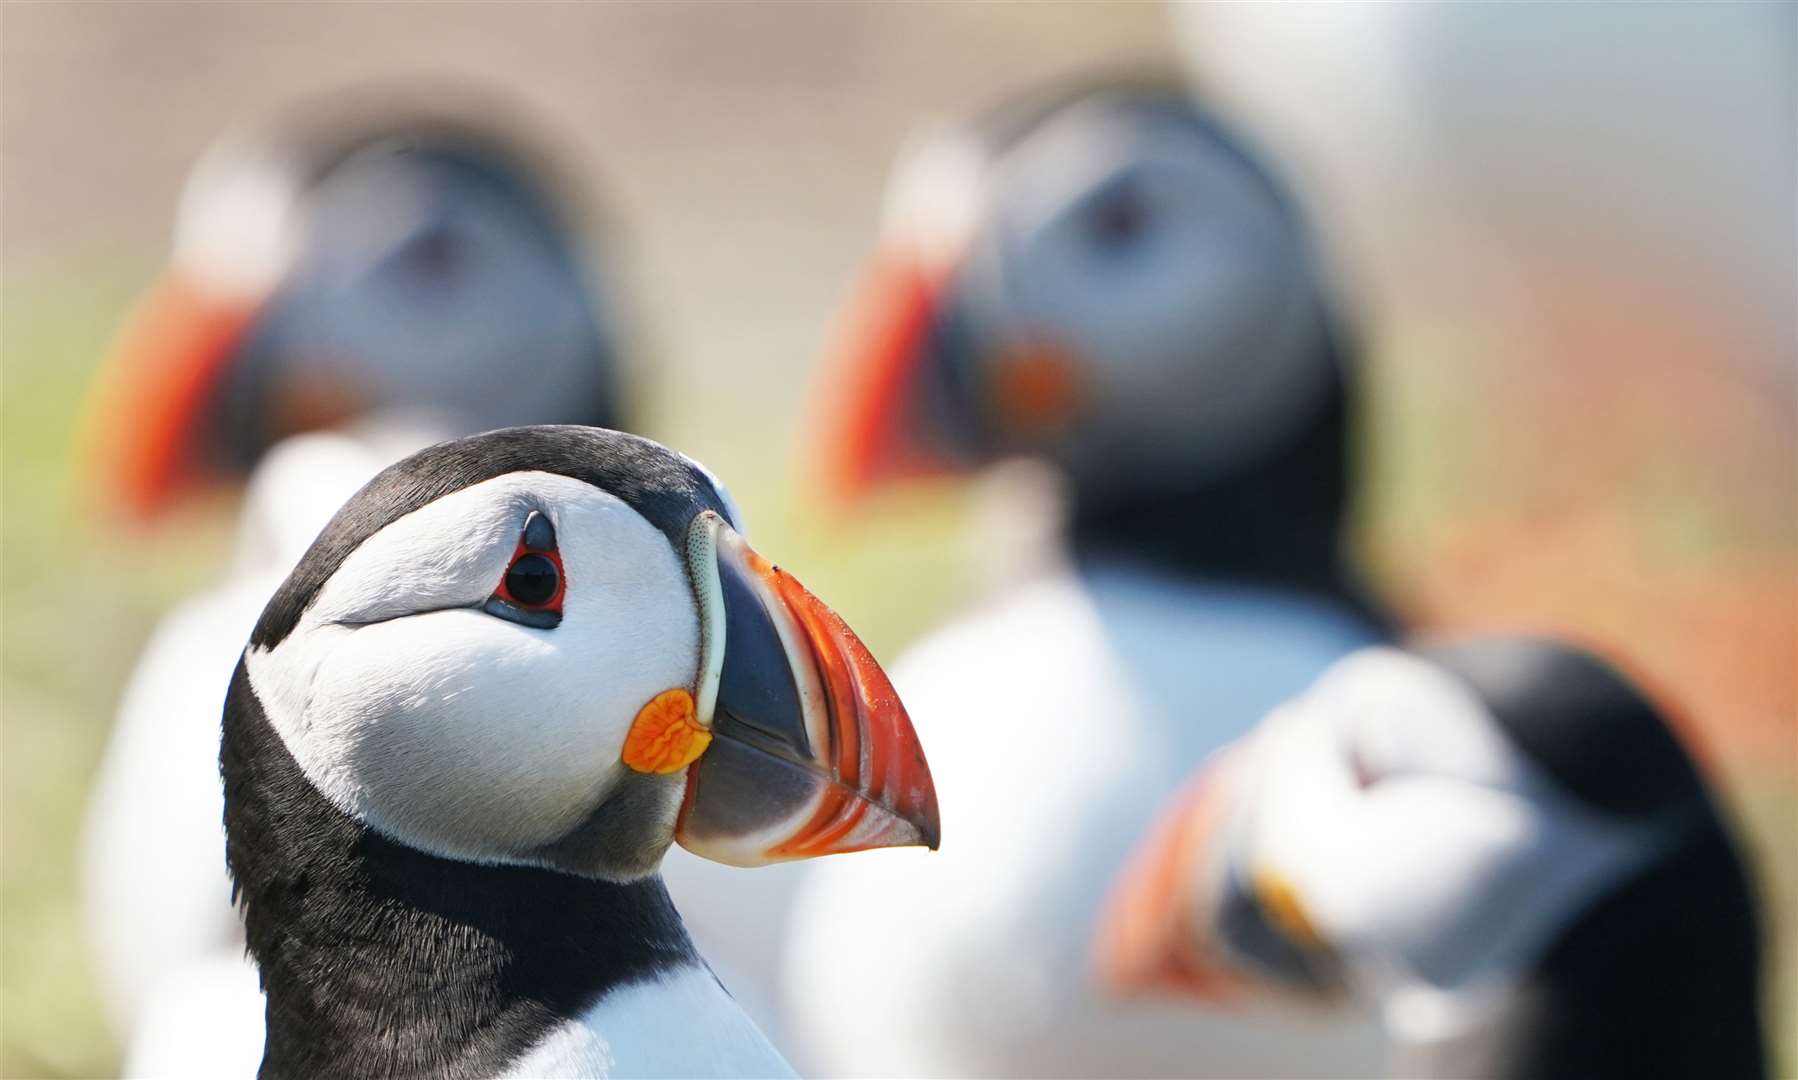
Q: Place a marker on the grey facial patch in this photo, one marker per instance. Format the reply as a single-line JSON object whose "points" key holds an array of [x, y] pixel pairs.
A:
{"points": [[625, 837]]}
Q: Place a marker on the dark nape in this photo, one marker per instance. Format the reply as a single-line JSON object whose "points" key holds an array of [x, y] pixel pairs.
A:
{"points": [[1580, 720], [1001, 126], [380, 960], [1278, 521]]}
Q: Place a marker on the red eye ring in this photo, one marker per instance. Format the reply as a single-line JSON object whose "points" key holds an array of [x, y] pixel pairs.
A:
{"points": [[534, 583]]}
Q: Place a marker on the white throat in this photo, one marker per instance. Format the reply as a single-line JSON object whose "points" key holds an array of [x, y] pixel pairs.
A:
{"points": [[682, 1024]]}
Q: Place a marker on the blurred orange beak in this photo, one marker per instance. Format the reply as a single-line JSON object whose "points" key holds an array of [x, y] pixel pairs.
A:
{"points": [[871, 381], [875, 421], [1154, 933], [153, 390]]}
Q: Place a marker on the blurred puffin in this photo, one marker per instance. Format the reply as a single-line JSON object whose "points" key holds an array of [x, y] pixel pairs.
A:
{"points": [[512, 670], [346, 260], [1103, 278], [348, 284], [1498, 845]]}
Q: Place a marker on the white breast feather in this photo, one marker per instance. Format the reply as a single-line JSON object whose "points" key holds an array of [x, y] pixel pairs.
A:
{"points": [[680, 1025], [1057, 725]]}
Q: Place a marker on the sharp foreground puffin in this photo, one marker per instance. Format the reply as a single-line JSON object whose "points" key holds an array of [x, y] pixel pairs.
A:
{"points": [[346, 286], [1102, 278], [511, 671], [1499, 845]]}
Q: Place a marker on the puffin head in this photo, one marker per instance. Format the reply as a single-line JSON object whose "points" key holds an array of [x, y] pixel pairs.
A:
{"points": [[551, 647], [1499, 844], [343, 261], [1102, 277]]}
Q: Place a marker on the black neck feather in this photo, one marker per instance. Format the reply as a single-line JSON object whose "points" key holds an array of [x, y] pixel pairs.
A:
{"points": [[380, 960], [1277, 521]]}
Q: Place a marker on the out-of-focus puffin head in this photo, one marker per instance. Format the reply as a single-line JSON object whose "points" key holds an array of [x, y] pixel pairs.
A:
{"points": [[551, 647], [1442, 835], [357, 256], [1100, 276]]}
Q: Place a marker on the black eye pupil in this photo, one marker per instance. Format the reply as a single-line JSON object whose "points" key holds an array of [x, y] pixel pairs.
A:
{"points": [[532, 580], [1120, 219]]}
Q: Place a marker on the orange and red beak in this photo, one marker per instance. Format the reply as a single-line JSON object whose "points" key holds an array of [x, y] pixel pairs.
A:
{"points": [[1189, 916], [148, 408], [1154, 935], [907, 397], [811, 751], [870, 397]]}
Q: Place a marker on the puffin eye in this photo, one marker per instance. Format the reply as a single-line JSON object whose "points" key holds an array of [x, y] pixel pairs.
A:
{"points": [[533, 581], [1118, 218], [531, 589]]}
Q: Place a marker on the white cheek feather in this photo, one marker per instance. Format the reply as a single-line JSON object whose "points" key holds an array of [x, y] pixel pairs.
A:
{"points": [[459, 732], [236, 226], [1447, 874], [1405, 715], [933, 202], [451, 553]]}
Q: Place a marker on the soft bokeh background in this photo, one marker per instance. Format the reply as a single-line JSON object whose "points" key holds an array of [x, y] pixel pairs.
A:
{"points": [[1640, 500]]}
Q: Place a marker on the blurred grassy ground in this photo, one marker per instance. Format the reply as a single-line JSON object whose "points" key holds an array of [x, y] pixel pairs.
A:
{"points": [[1494, 500]]}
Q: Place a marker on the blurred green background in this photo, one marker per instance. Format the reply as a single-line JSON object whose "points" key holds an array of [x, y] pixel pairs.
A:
{"points": [[740, 153]]}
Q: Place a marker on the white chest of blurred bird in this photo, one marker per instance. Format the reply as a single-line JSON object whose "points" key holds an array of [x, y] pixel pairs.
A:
{"points": [[1103, 278], [157, 902], [1058, 721]]}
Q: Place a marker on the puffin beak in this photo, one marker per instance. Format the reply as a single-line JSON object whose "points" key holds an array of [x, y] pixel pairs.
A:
{"points": [[147, 406], [1184, 918], [870, 401], [1153, 931], [810, 751], [895, 401]]}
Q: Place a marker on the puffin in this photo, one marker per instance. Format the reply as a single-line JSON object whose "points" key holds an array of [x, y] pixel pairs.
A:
{"points": [[512, 671], [378, 250], [357, 278], [1498, 846], [1103, 279]]}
